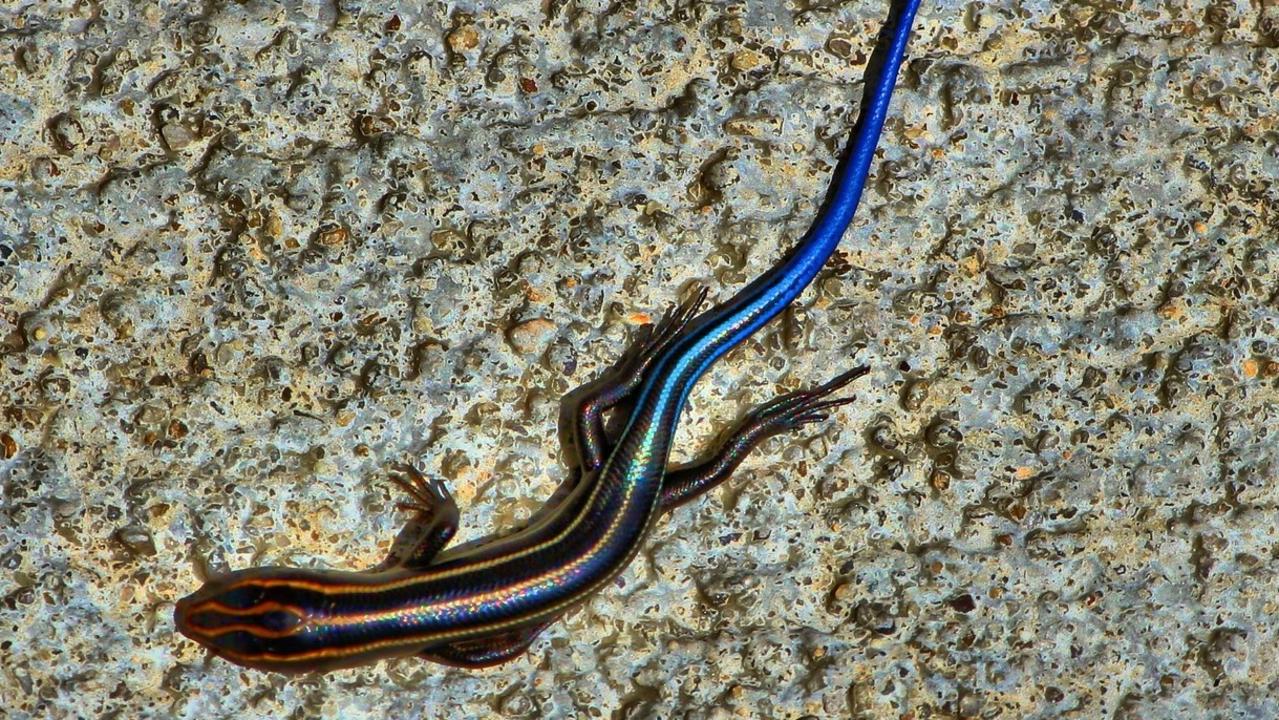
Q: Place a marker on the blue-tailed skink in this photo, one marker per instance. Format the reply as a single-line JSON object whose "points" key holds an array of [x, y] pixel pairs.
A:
{"points": [[483, 604]]}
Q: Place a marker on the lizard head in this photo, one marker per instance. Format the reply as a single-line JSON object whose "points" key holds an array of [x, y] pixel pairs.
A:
{"points": [[261, 617]]}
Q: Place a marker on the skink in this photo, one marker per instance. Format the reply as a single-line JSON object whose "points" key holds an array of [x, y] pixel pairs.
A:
{"points": [[483, 604]]}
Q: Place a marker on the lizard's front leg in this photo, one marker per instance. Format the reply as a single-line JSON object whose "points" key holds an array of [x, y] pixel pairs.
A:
{"points": [[433, 524]]}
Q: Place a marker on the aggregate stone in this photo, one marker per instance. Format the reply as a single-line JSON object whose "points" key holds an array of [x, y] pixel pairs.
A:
{"points": [[255, 254]]}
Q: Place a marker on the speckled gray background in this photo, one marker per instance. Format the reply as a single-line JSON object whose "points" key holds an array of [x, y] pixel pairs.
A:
{"points": [[253, 254]]}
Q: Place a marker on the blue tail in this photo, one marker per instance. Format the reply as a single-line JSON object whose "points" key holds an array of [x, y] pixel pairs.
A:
{"points": [[716, 332]]}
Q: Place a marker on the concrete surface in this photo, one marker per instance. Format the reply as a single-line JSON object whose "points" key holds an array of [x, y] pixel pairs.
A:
{"points": [[252, 254]]}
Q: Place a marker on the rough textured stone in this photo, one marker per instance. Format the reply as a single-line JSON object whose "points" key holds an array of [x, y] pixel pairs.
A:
{"points": [[252, 254]]}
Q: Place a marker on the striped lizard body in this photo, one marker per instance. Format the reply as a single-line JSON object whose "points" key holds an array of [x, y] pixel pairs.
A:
{"points": [[484, 604]]}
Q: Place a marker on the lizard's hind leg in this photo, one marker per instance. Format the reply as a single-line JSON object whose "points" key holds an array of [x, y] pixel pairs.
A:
{"points": [[780, 414], [620, 384]]}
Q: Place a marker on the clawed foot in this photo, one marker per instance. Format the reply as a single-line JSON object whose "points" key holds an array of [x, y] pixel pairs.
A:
{"points": [[660, 336], [433, 525], [779, 415], [802, 407], [427, 496]]}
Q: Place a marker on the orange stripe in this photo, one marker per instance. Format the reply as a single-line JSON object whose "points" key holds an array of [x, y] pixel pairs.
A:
{"points": [[429, 576], [255, 610], [252, 630], [426, 638], [444, 635]]}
